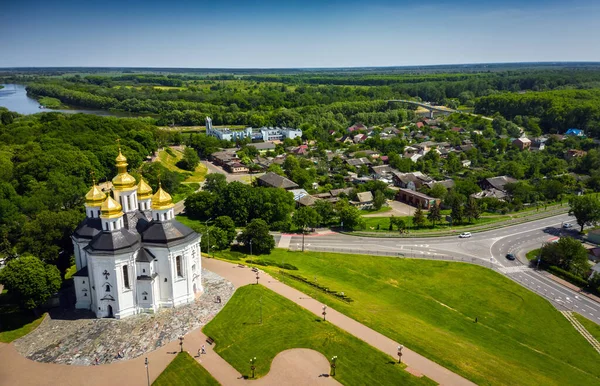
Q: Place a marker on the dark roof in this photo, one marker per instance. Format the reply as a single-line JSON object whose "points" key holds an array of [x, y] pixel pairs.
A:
{"points": [[82, 272], [170, 232], [144, 256], [307, 200], [119, 241], [88, 228], [499, 182], [276, 181]]}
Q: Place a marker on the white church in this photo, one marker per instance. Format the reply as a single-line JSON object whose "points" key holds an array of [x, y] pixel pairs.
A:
{"points": [[132, 256]]}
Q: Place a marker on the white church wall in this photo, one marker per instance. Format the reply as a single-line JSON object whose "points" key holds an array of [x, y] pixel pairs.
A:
{"points": [[82, 292]]}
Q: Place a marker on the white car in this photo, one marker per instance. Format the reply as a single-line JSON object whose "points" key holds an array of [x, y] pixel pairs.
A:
{"points": [[465, 235], [567, 225]]}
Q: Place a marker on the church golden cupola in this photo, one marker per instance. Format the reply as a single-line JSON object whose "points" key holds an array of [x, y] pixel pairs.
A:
{"points": [[111, 214], [162, 205], [93, 200], [144, 195], [125, 185]]}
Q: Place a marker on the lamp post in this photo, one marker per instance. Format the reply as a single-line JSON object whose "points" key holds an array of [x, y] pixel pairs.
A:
{"points": [[207, 237], [147, 373], [324, 312], [333, 360], [303, 232], [252, 366], [181, 344], [257, 277], [251, 257], [400, 353]]}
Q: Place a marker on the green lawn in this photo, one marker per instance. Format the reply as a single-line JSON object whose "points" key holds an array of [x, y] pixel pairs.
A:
{"points": [[533, 254], [592, 327], [430, 306], [239, 336], [169, 162], [184, 370], [14, 322]]}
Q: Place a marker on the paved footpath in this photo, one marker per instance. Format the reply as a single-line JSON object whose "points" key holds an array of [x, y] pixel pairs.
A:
{"points": [[417, 364], [298, 367]]}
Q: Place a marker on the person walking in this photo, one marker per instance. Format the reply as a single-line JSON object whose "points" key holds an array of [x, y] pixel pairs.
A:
{"points": [[203, 350]]}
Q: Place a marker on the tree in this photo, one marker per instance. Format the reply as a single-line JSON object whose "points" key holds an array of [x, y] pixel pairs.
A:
{"points": [[305, 217], [30, 281], [378, 200], [218, 238], [457, 213], [472, 211], [200, 205], [257, 234], [215, 182], [190, 159], [325, 210], [418, 218], [586, 210], [567, 253], [438, 191], [434, 215], [348, 214], [226, 224]]}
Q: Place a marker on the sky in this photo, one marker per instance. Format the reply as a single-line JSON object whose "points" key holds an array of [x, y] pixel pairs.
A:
{"points": [[293, 34]]}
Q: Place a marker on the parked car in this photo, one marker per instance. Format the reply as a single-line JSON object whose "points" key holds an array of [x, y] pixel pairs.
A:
{"points": [[567, 225], [465, 235], [510, 256]]}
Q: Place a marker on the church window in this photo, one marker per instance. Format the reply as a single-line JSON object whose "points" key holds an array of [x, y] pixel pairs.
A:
{"points": [[178, 266], [107, 288], [143, 270], [125, 276], [105, 226], [165, 279], [194, 268], [85, 294], [145, 297], [84, 282]]}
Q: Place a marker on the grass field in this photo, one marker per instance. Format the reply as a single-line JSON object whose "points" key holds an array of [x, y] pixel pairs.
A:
{"points": [[533, 254], [239, 336], [170, 162], [185, 371], [431, 306], [15, 323], [592, 327]]}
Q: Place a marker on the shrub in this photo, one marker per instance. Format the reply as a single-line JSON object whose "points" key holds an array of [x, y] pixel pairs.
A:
{"points": [[337, 294], [568, 276], [170, 152]]}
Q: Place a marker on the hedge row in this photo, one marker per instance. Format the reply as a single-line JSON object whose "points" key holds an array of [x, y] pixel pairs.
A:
{"points": [[568, 276], [271, 263], [339, 295]]}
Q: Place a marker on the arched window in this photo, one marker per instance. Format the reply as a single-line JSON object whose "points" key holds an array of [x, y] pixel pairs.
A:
{"points": [[125, 276], [178, 266], [107, 288]]}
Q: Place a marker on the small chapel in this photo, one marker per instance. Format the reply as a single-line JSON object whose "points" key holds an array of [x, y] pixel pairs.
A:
{"points": [[132, 255]]}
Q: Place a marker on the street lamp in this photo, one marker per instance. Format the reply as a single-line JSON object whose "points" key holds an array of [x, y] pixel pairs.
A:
{"points": [[400, 353], [251, 257], [257, 277], [147, 373], [333, 360], [252, 366], [181, 344], [324, 312], [207, 237]]}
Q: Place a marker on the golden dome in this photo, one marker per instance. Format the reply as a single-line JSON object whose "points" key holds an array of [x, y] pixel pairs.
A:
{"points": [[123, 180], [144, 191], [95, 196], [121, 159], [162, 200], [110, 208]]}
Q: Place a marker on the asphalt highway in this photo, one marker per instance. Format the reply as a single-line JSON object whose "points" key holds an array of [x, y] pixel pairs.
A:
{"points": [[485, 248]]}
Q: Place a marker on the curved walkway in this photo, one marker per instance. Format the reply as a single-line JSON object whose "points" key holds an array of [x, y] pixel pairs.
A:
{"points": [[289, 367]]}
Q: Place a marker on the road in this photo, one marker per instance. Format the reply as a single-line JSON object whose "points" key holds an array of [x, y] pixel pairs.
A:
{"points": [[486, 248]]}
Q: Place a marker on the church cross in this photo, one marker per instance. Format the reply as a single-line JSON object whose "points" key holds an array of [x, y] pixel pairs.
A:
{"points": [[106, 274]]}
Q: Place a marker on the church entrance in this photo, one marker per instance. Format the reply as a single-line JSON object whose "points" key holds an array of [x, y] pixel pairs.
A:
{"points": [[110, 312]]}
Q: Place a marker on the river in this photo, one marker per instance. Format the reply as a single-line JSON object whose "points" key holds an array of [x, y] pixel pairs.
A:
{"points": [[14, 97]]}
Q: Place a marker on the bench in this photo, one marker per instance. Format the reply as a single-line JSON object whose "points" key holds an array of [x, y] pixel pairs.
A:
{"points": [[210, 340]]}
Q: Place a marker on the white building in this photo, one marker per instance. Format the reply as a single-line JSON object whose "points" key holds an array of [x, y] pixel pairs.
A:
{"points": [[264, 133], [132, 256], [227, 134]]}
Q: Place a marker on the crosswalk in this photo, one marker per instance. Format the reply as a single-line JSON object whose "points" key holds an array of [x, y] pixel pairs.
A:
{"points": [[514, 269]]}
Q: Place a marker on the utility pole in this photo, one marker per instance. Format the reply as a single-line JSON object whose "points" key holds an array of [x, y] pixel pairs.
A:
{"points": [[207, 237]]}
